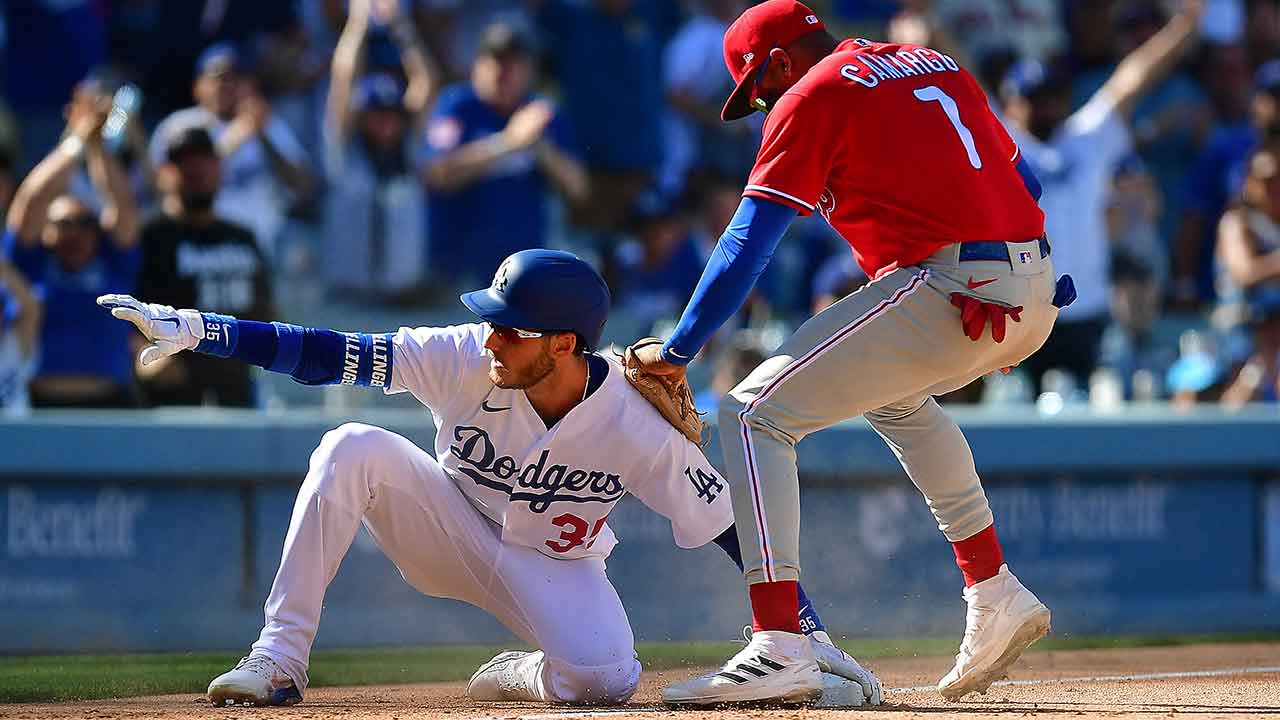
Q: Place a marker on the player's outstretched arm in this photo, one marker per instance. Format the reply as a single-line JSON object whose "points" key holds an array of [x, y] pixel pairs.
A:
{"points": [[311, 356], [740, 256]]}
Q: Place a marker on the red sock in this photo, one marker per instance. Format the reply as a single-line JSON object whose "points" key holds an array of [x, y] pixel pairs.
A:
{"points": [[979, 557], [775, 606]]}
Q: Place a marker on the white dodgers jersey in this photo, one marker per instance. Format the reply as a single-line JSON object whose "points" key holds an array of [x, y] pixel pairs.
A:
{"points": [[552, 489]]}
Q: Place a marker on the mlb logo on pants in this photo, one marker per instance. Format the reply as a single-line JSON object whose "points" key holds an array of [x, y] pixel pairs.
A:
{"points": [[1024, 257]]}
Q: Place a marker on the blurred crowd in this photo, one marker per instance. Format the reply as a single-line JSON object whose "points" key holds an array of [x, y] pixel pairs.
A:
{"points": [[341, 160]]}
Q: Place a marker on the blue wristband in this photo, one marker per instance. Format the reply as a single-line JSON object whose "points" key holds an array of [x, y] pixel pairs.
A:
{"points": [[674, 357], [221, 335], [366, 359]]}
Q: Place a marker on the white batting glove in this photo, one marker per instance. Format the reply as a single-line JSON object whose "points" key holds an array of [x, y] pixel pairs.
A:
{"points": [[169, 331]]}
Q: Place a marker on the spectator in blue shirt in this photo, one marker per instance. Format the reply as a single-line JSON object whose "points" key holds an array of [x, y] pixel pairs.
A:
{"points": [[70, 257], [1218, 176], [653, 274], [375, 239], [19, 339], [607, 56], [493, 153]]}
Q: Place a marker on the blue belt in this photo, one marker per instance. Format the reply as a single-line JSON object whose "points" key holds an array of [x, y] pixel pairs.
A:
{"points": [[994, 251], [1064, 292]]}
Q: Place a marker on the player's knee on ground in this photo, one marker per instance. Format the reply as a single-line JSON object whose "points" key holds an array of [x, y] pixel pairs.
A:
{"points": [[609, 684]]}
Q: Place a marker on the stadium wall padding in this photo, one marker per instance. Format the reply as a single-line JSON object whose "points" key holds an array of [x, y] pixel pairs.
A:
{"points": [[161, 530]]}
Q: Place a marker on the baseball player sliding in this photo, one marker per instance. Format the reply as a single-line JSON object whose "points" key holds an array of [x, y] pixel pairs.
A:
{"points": [[538, 438], [896, 147]]}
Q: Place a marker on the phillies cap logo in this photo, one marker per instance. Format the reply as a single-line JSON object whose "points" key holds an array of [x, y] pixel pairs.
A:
{"points": [[500, 277], [749, 57]]}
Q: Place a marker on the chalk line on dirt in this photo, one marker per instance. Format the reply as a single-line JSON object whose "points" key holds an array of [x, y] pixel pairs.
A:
{"points": [[1184, 675]]}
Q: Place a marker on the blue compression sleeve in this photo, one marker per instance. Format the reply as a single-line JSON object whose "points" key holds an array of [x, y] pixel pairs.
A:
{"points": [[739, 257], [310, 355], [809, 620], [1029, 178]]}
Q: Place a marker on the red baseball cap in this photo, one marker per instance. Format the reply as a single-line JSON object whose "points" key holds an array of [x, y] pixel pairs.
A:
{"points": [[747, 42]]}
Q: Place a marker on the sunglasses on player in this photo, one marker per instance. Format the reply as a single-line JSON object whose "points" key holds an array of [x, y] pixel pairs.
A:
{"points": [[510, 334]]}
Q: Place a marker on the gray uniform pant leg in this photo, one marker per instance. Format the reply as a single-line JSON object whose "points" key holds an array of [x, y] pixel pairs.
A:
{"points": [[938, 460], [882, 351]]}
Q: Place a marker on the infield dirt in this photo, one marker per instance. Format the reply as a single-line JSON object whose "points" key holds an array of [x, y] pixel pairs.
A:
{"points": [[1061, 693]]}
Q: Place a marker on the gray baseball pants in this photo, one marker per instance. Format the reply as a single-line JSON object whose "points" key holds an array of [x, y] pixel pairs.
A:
{"points": [[882, 352]]}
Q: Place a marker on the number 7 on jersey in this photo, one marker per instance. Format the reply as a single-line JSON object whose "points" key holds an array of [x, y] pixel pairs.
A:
{"points": [[933, 93]]}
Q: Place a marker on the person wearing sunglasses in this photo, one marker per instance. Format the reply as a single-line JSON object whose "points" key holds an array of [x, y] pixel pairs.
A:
{"points": [[71, 253], [538, 436]]}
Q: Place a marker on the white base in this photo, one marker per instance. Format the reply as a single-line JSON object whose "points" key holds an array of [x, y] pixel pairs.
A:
{"points": [[838, 692]]}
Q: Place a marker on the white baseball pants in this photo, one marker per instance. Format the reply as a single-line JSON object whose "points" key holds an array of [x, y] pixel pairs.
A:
{"points": [[445, 548]]}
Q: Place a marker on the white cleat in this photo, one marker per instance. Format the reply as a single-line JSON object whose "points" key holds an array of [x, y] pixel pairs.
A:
{"points": [[836, 664], [775, 667], [255, 681], [1004, 619], [505, 678]]}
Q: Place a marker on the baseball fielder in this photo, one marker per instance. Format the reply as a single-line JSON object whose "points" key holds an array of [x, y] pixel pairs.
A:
{"points": [[896, 147], [537, 439]]}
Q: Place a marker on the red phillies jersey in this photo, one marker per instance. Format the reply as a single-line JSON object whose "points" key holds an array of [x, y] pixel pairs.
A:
{"points": [[897, 148]]}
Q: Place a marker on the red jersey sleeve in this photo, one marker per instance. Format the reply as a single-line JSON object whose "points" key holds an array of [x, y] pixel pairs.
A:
{"points": [[801, 139]]}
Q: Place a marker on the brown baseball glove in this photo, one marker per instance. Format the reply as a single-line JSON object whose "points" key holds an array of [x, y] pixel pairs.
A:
{"points": [[669, 394]]}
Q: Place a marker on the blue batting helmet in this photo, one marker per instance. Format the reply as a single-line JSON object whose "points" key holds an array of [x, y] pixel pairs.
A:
{"points": [[546, 290]]}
